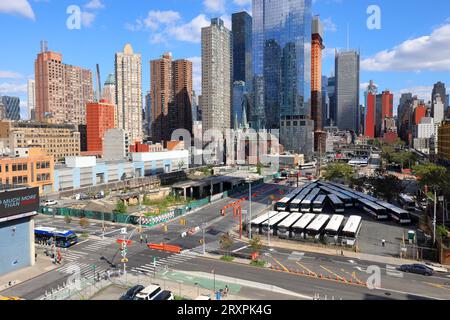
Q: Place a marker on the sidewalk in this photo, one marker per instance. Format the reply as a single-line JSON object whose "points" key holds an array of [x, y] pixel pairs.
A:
{"points": [[43, 265], [297, 246]]}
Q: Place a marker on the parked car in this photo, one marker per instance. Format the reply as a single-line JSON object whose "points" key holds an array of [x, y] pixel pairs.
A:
{"points": [[203, 297], [164, 295], [417, 269], [148, 293], [49, 203], [132, 292]]}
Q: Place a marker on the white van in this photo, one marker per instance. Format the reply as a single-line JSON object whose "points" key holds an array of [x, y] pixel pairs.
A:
{"points": [[149, 293], [49, 203]]}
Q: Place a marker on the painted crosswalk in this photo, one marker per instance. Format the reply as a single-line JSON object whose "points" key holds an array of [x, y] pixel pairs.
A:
{"points": [[82, 270], [161, 264], [95, 245], [73, 255]]}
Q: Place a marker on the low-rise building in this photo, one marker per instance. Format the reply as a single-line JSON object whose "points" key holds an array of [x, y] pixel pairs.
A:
{"points": [[58, 140], [82, 172], [30, 167], [17, 208]]}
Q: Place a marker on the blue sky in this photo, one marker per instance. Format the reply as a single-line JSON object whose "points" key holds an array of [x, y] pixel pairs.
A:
{"points": [[410, 52]]}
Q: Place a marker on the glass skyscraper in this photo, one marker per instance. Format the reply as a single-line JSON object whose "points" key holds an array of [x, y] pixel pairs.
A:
{"points": [[242, 47], [12, 107], [347, 90], [282, 71]]}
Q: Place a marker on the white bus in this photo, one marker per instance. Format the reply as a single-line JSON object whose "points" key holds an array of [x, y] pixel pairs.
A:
{"points": [[256, 223], [398, 215], [336, 203], [407, 202], [269, 226], [333, 228], [351, 230], [283, 204], [294, 206], [348, 201], [298, 229], [308, 200], [319, 203], [314, 230], [284, 230]]}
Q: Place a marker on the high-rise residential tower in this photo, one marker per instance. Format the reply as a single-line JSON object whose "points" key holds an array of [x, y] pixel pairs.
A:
{"points": [[171, 96], [282, 71], [31, 99], [370, 97], [62, 91], [347, 90], [242, 47], [316, 83], [109, 89], [128, 74], [439, 89], [216, 76], [99, 119]]}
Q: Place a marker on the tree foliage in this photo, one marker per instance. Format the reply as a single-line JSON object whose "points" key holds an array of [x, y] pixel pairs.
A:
{"points": [[226, 242], [337, 171], [84, 222], [432, 175], [386, 186], [120, 207], [255, 244]]}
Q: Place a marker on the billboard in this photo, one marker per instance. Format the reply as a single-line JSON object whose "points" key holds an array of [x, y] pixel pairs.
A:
{"points": [[18, 201]]}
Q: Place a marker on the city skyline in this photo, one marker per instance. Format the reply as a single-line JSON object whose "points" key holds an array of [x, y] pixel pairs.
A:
{"points": [[170, 26]]}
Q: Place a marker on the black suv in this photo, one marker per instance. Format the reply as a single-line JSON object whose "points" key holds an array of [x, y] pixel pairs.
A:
{"points": [[131, 293]]}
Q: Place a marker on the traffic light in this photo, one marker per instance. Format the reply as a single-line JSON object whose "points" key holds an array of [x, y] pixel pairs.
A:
{"points": [[165, 228]]}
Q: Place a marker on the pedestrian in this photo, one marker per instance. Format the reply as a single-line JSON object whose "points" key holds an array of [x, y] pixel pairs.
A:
{"points": [[225, 291], [146, 239], [383, 243], [141, 239], [35, 257]]}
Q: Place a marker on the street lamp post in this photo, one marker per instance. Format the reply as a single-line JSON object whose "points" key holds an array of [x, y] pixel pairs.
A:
{"points": [[434, 216], [250, 208], [203, 241], [268, 227]]}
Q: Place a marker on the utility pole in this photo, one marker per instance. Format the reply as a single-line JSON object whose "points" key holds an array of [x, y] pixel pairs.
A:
{"points": [[434, 216], [203, 241], [250, 208], [268, 225]]}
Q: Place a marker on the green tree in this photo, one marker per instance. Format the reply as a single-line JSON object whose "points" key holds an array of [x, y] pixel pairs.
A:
{"points": [[120, 207], [431, 175], [226, 242], [67, 219], [335, 171], [387, 186], [255, 244], [84, 222]]}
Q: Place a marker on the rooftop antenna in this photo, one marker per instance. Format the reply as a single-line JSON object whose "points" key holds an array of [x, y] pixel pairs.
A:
{"points": [[44, 46], [99, 85]]}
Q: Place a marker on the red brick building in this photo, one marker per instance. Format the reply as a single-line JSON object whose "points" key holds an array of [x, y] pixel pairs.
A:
{"points": [[99, 119]]}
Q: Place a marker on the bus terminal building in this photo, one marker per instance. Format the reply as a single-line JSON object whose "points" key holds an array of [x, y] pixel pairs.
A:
{"points": [[17, 209]]}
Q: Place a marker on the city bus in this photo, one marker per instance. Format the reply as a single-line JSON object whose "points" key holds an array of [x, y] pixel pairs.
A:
{"points": [[350, 194], [294, 206], [351, 230], [269, 226], [348, 201], [283, 204], [284, 230], [61, 238], [407, 202], [256, 223], [333, 228], [375, 210], [299, 227], [397, 214], [336, 203], [314, 230], [319, 203], [306, 204]]}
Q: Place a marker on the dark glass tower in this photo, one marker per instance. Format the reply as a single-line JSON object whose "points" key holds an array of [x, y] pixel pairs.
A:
{"points": [[282, 71], [242, 47], [12, 107]]}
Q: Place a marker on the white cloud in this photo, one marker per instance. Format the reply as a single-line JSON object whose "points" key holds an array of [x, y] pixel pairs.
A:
{"points": [[154, 20], [191, 31], [94, 4], [196, 73], [329, 25], [87, 19], [242, 3], [214, 5], [10, 75], [12, 88], [426, 53], [17, 7]]}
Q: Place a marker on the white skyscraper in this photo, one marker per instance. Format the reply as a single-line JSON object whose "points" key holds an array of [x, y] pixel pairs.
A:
{"points": [[128, 73], [31, 98], [438, 109], [216, 76]]}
